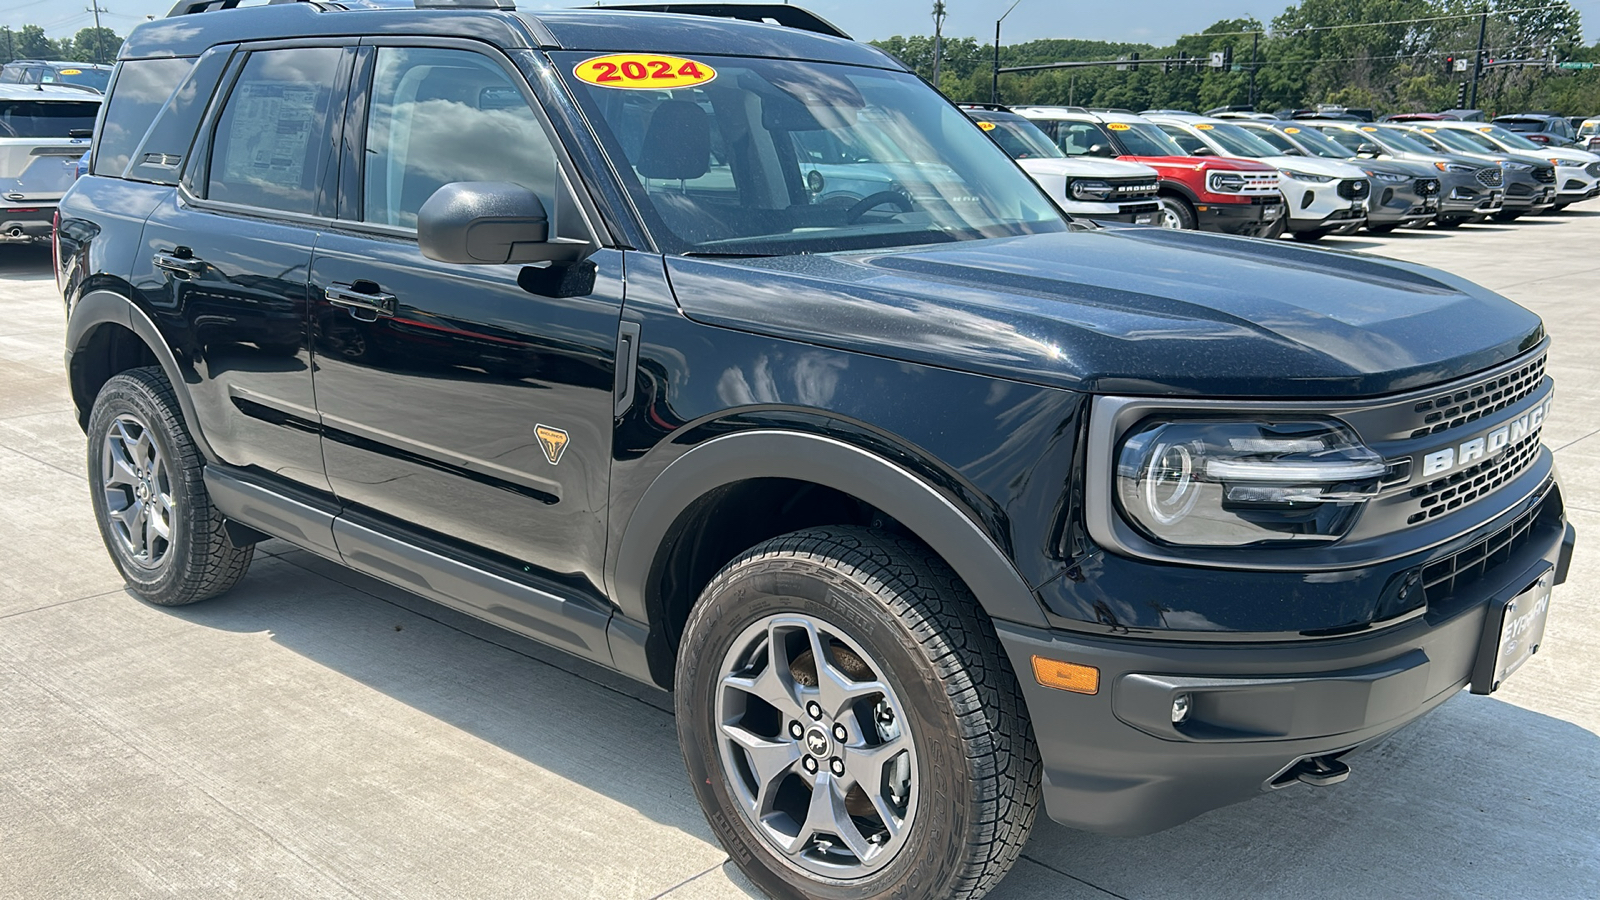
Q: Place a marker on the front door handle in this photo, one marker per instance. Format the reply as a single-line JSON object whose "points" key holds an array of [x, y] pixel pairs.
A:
{"points": [[364, 300], [179, 261]]}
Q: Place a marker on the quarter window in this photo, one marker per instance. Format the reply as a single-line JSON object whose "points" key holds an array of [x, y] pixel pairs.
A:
{"points": [[440, 116], [271, 141], [142, 86]]}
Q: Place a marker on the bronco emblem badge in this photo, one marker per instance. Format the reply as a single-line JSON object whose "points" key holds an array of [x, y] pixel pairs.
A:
{"points": [[553, 440]]}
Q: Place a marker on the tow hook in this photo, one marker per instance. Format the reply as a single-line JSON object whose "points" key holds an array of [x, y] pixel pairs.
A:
{"points": [[1319, 771]]}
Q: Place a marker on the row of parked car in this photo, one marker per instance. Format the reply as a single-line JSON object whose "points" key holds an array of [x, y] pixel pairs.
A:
{"points": [[1308, 178]]}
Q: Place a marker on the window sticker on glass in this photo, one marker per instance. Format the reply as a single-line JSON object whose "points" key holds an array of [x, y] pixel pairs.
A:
{"points": [[643, 71], [1117, 126], [1291, 131], [1203, 126], [271, 136], [986, 126]]}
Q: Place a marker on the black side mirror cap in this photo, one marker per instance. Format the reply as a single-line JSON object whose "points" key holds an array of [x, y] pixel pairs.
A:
{"points": [[1203, 151], [1367, 151], [490, 223]]}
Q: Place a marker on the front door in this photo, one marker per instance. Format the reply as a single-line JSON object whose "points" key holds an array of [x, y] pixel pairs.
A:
{"points": [[451, 396]]}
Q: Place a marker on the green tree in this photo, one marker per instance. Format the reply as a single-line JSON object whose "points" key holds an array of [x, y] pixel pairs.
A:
{"points": [[93, 45], [33, 44]]}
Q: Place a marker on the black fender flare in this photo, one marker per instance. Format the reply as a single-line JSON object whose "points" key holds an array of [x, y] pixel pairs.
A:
{"points": [[103, 307], [929, 515], [1179, 188]]}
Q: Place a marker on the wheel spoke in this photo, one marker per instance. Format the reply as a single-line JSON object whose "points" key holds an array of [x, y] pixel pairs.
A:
{"points": [[773, 685], [835, 690], [864, 765], [827, 815], [770, 761]]}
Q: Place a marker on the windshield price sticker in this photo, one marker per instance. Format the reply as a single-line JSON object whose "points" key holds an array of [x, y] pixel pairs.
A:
{"points": [[1486, 129], [643, 71], [1369, 128], [1118, 126], [1204, 126], [71, 72], [1291, 131], [986, 126]]}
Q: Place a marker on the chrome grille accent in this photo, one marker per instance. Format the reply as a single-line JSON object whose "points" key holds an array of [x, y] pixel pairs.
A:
{"points": [[1476, 400], [1435, 498], [1491, 177]]}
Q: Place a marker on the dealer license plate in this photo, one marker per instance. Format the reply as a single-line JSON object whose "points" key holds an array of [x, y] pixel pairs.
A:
{"points": [[1512, 635], [1272, 212], [1144, 219]]}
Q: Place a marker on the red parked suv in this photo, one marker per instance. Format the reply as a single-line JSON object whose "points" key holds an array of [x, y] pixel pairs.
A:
{"points": [[1234, 196]]}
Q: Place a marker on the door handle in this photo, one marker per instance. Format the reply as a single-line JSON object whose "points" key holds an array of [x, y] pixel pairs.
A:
{"points": [[179, 261], [363, 299]]}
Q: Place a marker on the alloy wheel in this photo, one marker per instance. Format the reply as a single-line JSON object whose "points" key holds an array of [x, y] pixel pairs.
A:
{"points": [[137, 486]]}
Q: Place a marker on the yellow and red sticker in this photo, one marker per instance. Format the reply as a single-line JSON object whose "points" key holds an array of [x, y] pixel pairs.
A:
{"points": [[1117, 126], [986, 126], [1203, 126], [643, 71], [1486, 128], [70, 72], [1430, 130], [1291, 131], [1369, 128]]}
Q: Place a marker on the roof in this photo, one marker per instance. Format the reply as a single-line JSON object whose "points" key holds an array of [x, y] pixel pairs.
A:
{"points": [[46, 92], [587, 29]]}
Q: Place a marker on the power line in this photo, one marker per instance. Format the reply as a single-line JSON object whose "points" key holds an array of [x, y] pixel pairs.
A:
{"points": [[1306, 28]]}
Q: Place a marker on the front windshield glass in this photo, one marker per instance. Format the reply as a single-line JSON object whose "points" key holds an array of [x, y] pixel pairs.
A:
{"points": [[1509, 139], [1235, 141], [1318, 144], [1590, 127], [1276, 138], [1398, 140], [1143, 139], [1463, 141], [1020, 138], [753, 157]]}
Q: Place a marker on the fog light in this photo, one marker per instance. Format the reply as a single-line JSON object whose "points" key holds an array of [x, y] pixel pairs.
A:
{"points": [[1066, 676], [1180, 709]]}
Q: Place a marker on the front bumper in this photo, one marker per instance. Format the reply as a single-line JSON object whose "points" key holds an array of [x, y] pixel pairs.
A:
{"points": [[1143, 212], [1340, 221], [1400, 205], [1115, 763], [1253, 216], [1522, 198]]}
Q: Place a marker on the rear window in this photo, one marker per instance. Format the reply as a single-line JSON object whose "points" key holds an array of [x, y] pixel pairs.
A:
{"points": [[142, 87], [95, 78], [45, 118], [1523, 125]]}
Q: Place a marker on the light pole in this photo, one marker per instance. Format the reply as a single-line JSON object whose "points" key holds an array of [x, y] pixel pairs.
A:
{"points": [[994, 85], [938, 37]]}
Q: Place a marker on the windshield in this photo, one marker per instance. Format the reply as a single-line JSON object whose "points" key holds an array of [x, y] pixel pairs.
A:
{"points": [[1397, 140], [1235, 141], [1137, 139], [95, 78], [1020, 138], [1318, 144], [1509, 139], [1590, 127], [1463, 141], [45, 118], [742, 156], [1276, 138]]}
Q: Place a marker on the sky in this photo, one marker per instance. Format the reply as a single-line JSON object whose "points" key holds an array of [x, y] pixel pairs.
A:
{"points": [[1152, 21]]}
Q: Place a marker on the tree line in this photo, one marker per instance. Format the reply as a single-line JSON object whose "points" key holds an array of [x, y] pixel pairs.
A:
{"points": [[88, 45], [1316, 51]]}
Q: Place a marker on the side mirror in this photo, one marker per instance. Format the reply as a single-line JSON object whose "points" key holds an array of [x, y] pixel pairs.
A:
{"points": [[1100, 150], [1202, 151], [1294, 151], [1367, 151], [488, 223]]}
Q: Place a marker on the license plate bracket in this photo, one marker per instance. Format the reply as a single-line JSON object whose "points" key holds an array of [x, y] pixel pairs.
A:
{"points": [[1512, 632]]}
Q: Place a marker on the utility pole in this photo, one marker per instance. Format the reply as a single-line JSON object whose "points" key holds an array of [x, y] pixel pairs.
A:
{"points": [[1477, 61], [1255, 44], [99, 38], [938, 38], [994, 85]]}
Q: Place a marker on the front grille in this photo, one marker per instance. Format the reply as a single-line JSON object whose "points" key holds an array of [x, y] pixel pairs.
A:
{"points": [[1134, 189], [1444, 577], [1259, 183], [1545, 174], [1354, 188], [1427, 187], [1491, 177], [1474, 401], [1435, 498]]}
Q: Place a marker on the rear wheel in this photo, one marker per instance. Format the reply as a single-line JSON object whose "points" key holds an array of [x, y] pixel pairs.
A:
{"points": [[1449, 222], [1176, 213], [1381, 229], [150, 498], [1507, 216], [850, 723]]}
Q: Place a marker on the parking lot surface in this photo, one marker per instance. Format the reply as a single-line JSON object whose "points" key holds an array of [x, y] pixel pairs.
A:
{"points": [[318, 734]]}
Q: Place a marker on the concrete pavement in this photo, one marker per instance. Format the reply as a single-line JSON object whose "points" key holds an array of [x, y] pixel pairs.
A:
{"points": [[318, 734]]}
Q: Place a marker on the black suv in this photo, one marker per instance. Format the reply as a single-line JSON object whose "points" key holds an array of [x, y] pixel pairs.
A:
{"points": [[930, 505]]}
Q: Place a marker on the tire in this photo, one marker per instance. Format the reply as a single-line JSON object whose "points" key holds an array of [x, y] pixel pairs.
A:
{"points": [[136, 422], [1558, 207], [1312, 236], [1176, 213], [1506, 216], [1448, 222], [1381, 229], [904, 635]]}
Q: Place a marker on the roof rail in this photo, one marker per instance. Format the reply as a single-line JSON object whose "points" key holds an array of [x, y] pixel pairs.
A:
{"points": [[781, 14], [188, 7], [992, 107]]}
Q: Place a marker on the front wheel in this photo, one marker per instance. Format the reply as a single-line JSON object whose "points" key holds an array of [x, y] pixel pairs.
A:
{"points": [[1176, 213], [149, 495], [1448, 222], [851, 724], [1507, 216], [1312, 236], [1382, 229]]}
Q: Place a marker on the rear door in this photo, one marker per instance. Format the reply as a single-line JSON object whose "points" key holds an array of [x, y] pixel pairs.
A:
{"points": [[224, 259], [472, 401]]}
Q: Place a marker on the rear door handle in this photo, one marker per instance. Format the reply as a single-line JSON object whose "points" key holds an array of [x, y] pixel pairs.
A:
{"points": [[363, 299], [179, 261]]}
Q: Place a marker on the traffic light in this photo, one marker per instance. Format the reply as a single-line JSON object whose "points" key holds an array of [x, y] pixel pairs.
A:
{"points": [[1183, 61], [1166, 67], [1227, 59], [1461, 95], [1133, 62], [1449, 65]]}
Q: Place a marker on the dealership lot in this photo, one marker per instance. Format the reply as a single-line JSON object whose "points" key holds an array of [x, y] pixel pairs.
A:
{"points": [[315, 733]]}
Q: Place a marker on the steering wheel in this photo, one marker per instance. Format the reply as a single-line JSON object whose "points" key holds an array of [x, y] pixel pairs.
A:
{"points": [[861, 207]]}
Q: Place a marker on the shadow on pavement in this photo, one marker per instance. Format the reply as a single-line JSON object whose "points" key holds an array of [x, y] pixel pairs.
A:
{"points": [[1481, 798], [25, 262]]}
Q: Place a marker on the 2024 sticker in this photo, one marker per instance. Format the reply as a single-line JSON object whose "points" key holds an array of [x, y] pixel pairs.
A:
{"points": [[643, 71]]}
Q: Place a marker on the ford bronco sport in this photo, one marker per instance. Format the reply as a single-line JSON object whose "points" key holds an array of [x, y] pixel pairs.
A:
{"points": [[934, 507]]}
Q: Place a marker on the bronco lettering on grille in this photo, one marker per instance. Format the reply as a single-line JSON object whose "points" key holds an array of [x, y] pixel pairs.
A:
{"points": [[1486, 445]]}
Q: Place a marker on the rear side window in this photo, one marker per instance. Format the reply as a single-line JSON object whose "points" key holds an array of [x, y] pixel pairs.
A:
{"points": [[45, 118], [271, 141], [141, 87], [161, 155]]}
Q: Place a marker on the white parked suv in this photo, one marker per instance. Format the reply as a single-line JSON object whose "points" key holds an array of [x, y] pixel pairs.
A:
{"points": [[1323, 196], [43, 132], [1106, 190], [1577, 171]]}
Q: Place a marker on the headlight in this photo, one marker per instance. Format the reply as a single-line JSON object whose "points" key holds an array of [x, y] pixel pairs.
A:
{"points": [[1227, 484], [1091, 190], [1224, 182], [1388, 177], [1517, 167], [1457, 168], [1305, 176], [1563, 162]]}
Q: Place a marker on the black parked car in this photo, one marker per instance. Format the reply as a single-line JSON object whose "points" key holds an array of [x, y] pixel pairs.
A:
{"points": [[929, 506]]}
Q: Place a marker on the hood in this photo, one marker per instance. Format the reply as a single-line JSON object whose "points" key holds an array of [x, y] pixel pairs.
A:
{"points": [[1567, 156], [1086, 167], [1200, 163], [1315, 165], [1127, 310], [1391, 166]]}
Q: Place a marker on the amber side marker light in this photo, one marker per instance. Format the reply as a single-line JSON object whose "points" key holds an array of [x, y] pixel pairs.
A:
{"points": [[1066, 676]]}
